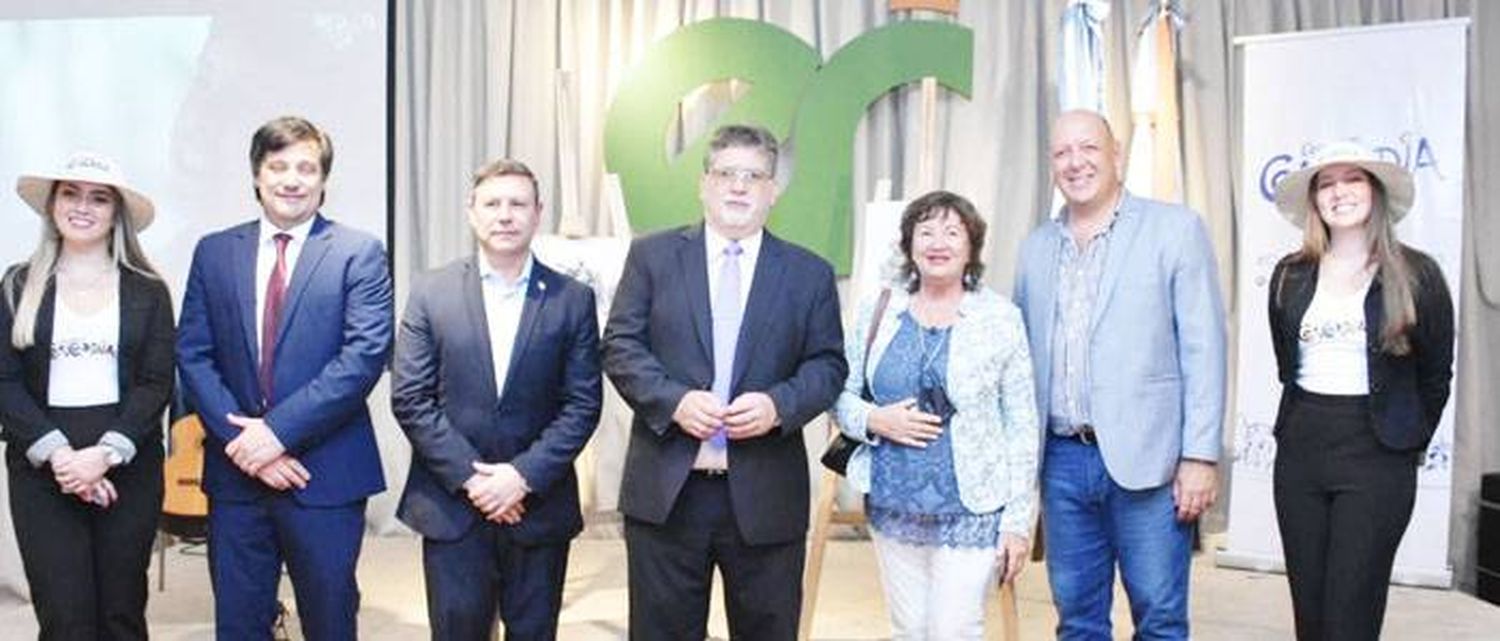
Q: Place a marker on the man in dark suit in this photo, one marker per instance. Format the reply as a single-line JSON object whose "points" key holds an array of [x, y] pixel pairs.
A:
{"points": [[285, 328], [497, 385], [725, 340]]}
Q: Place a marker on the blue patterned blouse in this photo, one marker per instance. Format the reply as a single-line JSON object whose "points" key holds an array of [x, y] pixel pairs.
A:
{"points": [[913, 491]]}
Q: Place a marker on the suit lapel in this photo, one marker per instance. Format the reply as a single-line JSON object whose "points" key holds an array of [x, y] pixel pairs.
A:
{"points": [[531, 310], [1121, 238], [1305, 281], [243, 275], [478, 325], [693, 260], [319, 241], [135, 307], [41, 338], [758, 307], [134, 304], [1043, 298], [1374, 313], [132, 295]]}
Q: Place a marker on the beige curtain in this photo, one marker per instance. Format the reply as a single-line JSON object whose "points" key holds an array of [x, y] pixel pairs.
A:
{"points": [[477, 79]]}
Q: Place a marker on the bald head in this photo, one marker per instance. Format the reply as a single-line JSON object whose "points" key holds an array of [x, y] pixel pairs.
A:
{"points": [[1087, 166], [1085, 119]]}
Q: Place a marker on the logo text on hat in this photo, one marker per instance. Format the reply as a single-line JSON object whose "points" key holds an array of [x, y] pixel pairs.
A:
{"points": [[90, 162]]}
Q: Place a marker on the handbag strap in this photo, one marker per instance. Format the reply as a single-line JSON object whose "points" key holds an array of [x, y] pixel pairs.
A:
{"points": [[880, 305]]}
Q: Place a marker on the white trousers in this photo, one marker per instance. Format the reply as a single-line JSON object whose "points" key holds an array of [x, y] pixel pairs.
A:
{"points": [[935, 593]]}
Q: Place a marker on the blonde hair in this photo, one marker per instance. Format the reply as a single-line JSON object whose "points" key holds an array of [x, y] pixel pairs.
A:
{"points": [[1395, 274], [25, 298]]}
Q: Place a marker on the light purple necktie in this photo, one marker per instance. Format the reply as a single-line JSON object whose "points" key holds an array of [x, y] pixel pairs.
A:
{"points": [[727, 314]]}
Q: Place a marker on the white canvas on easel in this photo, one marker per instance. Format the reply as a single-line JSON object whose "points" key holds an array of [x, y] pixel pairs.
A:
{"points": [[877, 251]]}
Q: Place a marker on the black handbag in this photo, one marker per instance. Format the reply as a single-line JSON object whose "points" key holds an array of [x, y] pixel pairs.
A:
{"points": [[836, 457], [840, 448]]}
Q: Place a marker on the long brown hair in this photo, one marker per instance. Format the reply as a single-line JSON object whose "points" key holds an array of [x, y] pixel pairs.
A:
{"points": [[1395, 275]]}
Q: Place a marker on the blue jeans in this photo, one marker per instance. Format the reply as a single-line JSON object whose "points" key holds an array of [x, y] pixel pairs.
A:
{"points": [[1090, 524]]}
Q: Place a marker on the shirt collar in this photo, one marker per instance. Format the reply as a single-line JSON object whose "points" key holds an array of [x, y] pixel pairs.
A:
{"points": [[716, 242], [298, 233], [489, 275], [1061, 222]]}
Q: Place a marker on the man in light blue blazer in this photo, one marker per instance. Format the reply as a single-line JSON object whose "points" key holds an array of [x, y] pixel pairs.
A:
{"points": [[1126, 322]]}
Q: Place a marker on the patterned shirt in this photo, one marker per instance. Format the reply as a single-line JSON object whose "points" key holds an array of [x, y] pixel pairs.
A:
{"points": [[913, 491], [1079, 271]]}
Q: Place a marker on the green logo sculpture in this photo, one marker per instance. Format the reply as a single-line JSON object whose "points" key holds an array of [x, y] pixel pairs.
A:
{"points": [[819, 105]]}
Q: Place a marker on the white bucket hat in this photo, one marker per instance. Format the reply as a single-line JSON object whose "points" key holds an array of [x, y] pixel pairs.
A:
{"points": [[91, 168], [1292, 192]]}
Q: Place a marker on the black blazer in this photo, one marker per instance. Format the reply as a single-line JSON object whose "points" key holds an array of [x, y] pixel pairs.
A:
{"points": [[443, 395], [145, 357], [1407, 393], [658, 345]]}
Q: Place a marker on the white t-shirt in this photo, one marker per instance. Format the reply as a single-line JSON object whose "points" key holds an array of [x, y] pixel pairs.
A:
{"points": [[85, 356], [1331, 342]]}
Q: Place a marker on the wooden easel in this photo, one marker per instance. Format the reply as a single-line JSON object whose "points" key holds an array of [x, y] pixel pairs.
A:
{"points": [[826, 516]]}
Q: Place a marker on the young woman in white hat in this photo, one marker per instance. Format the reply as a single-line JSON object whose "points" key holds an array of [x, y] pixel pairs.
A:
{"points": [[1363, 331], [86, 341]]}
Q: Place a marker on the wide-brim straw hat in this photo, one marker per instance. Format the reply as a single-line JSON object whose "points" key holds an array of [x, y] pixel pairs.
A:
{"points": [[1294, 196], [90, 168]]}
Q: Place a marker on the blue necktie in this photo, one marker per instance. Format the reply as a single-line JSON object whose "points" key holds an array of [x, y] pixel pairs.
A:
{"points": [[727, 314]]}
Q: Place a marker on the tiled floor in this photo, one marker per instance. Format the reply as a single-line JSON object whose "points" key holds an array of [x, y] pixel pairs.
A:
{"points": [[1226, 604]]}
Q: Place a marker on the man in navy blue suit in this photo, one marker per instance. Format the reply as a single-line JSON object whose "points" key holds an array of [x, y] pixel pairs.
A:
{"points": [[285, 328], [497, 385], [725, 340]]}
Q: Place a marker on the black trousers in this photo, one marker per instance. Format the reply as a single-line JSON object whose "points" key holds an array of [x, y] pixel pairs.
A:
{"points": [[671, 572], [87, 566], [1343, 501], [483, 572]]}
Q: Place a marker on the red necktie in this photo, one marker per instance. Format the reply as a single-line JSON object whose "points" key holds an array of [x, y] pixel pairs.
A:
{"points": [[271, 316]]}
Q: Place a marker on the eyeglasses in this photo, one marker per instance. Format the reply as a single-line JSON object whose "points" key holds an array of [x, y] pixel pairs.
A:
{"points": [[736, 174]]}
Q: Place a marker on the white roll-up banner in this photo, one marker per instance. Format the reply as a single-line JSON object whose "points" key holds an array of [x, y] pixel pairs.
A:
{"points": [[1399, 89]]}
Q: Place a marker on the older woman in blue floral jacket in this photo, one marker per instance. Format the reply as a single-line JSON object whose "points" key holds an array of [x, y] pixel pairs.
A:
{"points": [[943, 406]]}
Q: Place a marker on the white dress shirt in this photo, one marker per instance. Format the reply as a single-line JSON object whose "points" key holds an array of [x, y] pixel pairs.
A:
{"points": [[265, 263], [749, 254], [504, 301]]}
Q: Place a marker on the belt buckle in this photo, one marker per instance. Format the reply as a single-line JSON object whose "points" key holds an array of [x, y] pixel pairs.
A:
{"points": [[713, 473], [1085, 435]]}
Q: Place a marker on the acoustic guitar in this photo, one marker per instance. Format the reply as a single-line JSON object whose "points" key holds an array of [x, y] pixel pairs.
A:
{"points": [[184, 503]]}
